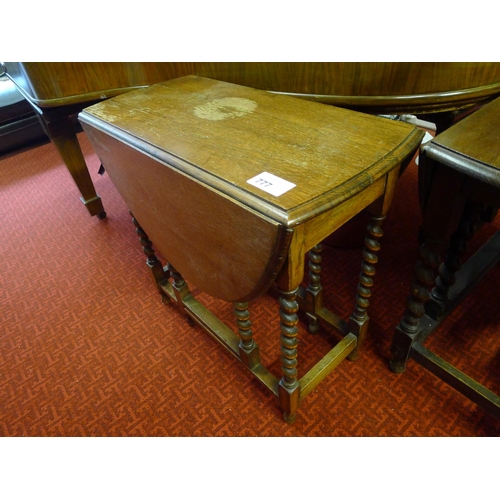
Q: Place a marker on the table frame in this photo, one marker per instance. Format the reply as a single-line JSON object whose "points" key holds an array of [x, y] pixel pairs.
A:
{"points": [[305, 242], [448, 223]]}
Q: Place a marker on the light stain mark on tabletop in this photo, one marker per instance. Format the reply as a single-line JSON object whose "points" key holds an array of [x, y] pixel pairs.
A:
{"points": [[224, 108]]}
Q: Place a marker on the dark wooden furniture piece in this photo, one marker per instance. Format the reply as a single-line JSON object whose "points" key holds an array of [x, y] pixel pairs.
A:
{"points": [[463, 173], [58, 90], [234, 186]]}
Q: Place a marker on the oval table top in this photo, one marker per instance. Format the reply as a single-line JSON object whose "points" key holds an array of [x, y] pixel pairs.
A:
{"points": [[219, 175]]}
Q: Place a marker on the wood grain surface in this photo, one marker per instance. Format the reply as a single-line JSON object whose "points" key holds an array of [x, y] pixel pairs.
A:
{"points": [[369, 86], [181, 154], [330, 154], [477, 136]]}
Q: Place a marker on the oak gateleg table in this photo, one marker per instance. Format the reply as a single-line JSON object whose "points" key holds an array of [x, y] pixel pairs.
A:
{"points": [[237, 188]]}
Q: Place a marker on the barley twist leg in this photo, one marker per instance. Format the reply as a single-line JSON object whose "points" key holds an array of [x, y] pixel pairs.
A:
{"points": [[314, 289], [289, 388], [359, 320], [249, 351]]}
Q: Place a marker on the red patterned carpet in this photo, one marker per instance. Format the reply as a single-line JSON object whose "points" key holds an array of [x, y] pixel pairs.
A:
{"points": [[88, 349]]}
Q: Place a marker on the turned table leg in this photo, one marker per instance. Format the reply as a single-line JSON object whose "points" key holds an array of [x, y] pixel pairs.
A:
{"points": [[407, 331], [443, 208], [156, 270], [314, 291], [359, 320], [289, 387], [452, 263], [180, 286], [432, 274], [249, 351]]}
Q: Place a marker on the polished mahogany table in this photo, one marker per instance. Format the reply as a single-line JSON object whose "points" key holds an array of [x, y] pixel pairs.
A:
{"points": [[235, 187], [463, 169], [58, 90]]}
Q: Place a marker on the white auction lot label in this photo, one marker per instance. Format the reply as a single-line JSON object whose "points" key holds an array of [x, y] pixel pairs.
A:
{"points": [[271, 184]]}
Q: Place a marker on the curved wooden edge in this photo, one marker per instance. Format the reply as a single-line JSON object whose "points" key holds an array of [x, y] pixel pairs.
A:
{"points": [[411, 104], [184, 166], [278, 258], [82, 99], [193, 210], [476, 169], [342, 193], [364, 179]]}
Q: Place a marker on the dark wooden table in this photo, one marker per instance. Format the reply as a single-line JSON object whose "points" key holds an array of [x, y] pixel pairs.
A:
{"points": [[462, 172], [235, 186], [58, 90]]}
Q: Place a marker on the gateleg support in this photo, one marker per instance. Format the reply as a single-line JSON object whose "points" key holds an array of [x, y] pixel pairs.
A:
{"points": [[179, 286], [158, 274], [314, 291], [289, 386], [359, 320], [248, 349]]}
